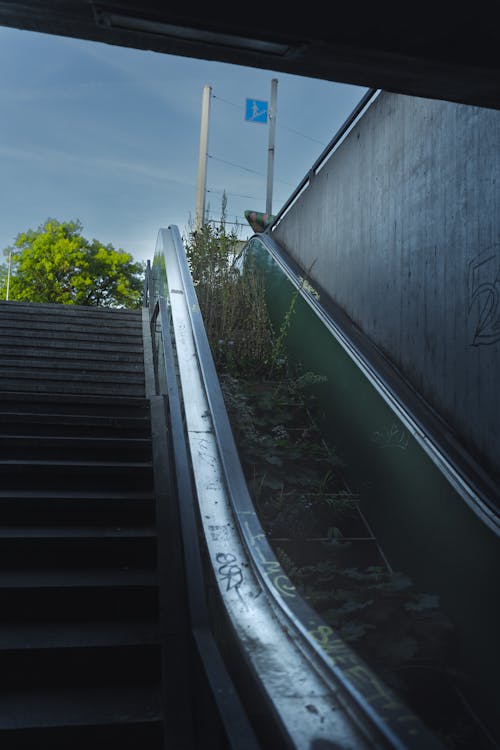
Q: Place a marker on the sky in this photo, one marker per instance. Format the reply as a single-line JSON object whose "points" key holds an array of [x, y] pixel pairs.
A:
{"points": [[110, 136]]}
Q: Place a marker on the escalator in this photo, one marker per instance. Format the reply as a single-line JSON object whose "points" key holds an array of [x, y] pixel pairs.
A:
{"points": [[319, 690], [143, 603]]}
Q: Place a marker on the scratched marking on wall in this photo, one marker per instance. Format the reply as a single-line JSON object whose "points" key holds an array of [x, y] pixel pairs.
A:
{"points": [[391, 437], [205, 453], [483, 283], [373, 689], [276, 574], [220, 533], [308, 287], [230, 573], [279, 579]]}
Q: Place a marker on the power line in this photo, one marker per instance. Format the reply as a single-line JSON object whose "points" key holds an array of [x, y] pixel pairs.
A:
{"points": [[235, 195], [238, 166], [309, 138], [241, 225], [246, 169], [238, 219], [232, 223], [226, 101]]}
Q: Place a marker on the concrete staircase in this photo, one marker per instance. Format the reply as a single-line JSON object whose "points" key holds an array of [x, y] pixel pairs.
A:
{"points": [[83, 656]]}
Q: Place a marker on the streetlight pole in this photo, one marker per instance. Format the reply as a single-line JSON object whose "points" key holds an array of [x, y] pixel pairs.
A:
{"points": [[270, 151], [202, 160]]}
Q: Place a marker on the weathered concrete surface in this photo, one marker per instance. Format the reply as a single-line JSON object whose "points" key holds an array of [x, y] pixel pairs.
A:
{"points": [[403, 226]]}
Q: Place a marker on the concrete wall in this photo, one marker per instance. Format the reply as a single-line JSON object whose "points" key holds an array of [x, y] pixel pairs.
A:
{"points": [[403, 226]]}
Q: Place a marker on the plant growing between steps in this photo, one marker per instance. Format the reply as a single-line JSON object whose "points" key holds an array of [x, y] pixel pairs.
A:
{"points": [[310, 515], [232, 303]]}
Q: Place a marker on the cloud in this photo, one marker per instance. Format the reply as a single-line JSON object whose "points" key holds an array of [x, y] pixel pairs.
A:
{"points": [[53, 159], [154, 75]]}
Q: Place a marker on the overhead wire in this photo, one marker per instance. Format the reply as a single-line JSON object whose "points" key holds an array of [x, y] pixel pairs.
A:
{"points": [[279, 124], [235, 195], [246, 168]]}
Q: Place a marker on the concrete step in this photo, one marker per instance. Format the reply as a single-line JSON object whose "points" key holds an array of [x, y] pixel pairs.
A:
{"points": [[83, 344], [59, 579], [8, 307], [77, 667], [53, 596], [66, 385], [62, 532], [91, 476], [62, 634], [61, 375], [22, 315], [50, 448], [42, 362], [85, 553], [95, 705], [41, 335], [76, 507], [73, 425], [126, 735], [112, 405]]}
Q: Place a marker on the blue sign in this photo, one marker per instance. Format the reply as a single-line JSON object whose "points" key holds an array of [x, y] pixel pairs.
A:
{"points": [[256, 111]]}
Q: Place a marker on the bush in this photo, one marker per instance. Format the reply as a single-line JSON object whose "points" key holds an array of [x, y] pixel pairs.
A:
{"points": [[231, 296]]}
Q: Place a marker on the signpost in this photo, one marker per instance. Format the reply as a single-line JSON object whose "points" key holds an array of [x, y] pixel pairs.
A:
{"points": [[270, 150], [256, 111], [261, 111]]}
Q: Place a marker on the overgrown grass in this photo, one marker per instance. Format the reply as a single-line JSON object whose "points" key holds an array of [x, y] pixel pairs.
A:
{"points": [[231, 296]]}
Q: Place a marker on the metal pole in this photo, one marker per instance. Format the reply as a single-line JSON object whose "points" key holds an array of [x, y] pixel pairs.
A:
{"points": [[202, 161], [8, 276], [270, 152]]}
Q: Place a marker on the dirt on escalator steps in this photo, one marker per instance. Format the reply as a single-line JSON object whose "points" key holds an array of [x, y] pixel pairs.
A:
{"points": [[80, 634]]}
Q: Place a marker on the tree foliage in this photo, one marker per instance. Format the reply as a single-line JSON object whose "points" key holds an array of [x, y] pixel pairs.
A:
{"points": [[55, 263]]}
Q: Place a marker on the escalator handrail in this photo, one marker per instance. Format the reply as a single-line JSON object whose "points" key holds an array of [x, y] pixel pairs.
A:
{"points": [[239, 732]]}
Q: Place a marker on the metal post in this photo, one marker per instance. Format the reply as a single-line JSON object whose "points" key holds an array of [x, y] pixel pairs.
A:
{"points": [[270, 153], [202, 161], [8, 275]]}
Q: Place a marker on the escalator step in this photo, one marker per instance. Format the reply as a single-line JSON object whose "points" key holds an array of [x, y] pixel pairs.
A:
{"points": [[62, 634], [94, 705], [61, 579], [23, 533]]}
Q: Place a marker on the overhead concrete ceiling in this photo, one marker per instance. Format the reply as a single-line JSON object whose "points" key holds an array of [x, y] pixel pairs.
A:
{"points": [[453, 56]]}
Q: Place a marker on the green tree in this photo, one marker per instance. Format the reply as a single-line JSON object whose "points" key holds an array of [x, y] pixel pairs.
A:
{"points": [[55, 263]]}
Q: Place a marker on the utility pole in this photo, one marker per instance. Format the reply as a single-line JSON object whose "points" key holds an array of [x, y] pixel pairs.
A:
{"points": [[202, 161], [270, 151]]}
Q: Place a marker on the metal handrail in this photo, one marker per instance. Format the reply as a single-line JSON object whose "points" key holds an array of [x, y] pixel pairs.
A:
{"points": [[371, 706], [239, 732]]}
